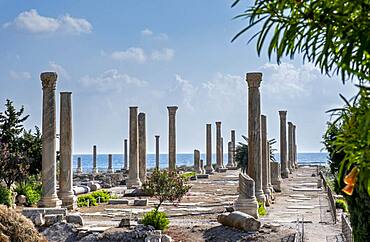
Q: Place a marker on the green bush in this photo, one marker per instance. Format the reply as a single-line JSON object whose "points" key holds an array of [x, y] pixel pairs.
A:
{"points": [[261, 209], [103, 194], [187, 175], [86, 200], [5, 196], [31, 189], [156, 219], [341, 203]]}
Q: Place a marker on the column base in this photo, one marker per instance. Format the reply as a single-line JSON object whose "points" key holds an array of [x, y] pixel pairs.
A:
{"points": [[285, 173], [132, 183], [110, 171], [276, 185], [260, 196], [247, 205], [209, 170], [50, 202], [229, 165], [95, 171], [79, 171], [69, 200]]}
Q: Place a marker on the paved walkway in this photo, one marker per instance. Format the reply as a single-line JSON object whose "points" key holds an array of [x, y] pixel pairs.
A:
{"points": [[301, 199]]}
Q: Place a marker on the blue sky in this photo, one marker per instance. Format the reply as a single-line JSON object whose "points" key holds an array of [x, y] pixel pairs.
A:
{"points": [[113, 54]]}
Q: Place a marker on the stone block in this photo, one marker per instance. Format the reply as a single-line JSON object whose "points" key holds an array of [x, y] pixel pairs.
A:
{"points": [[193, 178], [51, 219], [141, 202], [81, 190], [29, 212], [118, 201], [75, 219], [221, 169], [38, 220], [203, 176], [166, 238], [125, 222], [239, 220]]}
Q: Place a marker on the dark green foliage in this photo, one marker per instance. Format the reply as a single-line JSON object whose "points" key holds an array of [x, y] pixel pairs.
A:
{"points": [[342, 204], [166, 186], [241, 155], [332, 34], [156, 219], [20, 150], [5, 196], [86, 200], [31, 188]]}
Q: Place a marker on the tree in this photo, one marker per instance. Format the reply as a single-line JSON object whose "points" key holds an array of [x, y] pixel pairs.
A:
{"points": [[20, 150], [332, 34]]}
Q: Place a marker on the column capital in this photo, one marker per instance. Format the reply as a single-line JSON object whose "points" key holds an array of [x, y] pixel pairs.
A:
{"points": [[290, 124], [218, 123], [172, 110], [263, 117], [49, 80], [141, 116], [133, 108], [282, 113], [156, 136], [254, 79]]}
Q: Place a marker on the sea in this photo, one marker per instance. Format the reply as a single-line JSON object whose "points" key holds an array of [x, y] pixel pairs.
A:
{"points": [[185, 159]]}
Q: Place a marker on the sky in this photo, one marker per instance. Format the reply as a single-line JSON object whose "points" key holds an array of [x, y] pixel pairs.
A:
{"points": [[153, 54]]}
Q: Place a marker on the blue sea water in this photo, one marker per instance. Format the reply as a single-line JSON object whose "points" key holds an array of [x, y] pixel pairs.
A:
{"points": [[181, 159]]}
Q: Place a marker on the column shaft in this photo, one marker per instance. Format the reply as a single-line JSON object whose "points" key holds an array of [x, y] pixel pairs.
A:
{"points": [[157, 151], [283, 146], [209, 167], [133, 174], [142, 147], [290, 147], [172, 137], [95, 169], [110, 163], [218, 146], [233, 147], [125, 155]]}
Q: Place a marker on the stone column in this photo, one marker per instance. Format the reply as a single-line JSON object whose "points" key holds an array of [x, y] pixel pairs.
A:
{"points": [[230, 162], [275, 176], [110, 164], [209, 168], [269, 170], [290, 147], [157, 151], [65, 167], [197, 167], [172, 137], [125, 155], [79, 165], [49, 196], [283, 146], [233, 147], [295, 147], [95, 169], [202, 167], [246, 201], [254, 133], [142, 147], [265, 159], [133, 174], [218, 146]]}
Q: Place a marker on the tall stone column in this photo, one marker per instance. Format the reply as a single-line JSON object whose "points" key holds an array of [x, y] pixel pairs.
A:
{"points": [[172, 137], [269, 170], [197, 167], [133, 172], [110, 164], [218, 146], [290, 147], [209, 167], [222, 152], [230, 162], [202, 171], [142, 147], [265, 158], [65, 167], [295, 147], [49, 196], [283, 146], [254, 133], [79, 166], [125, 155], [233, 146], [157, 151], [95, 169]]}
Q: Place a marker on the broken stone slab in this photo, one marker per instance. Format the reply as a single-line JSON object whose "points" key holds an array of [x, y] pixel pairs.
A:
{"points": [[220, 169], [51, 219], [141, 202], [239, 220], [29, 212], [126, 223], [94, 186], [118, 201], [38, 219], [193, 178], [203, 176], [75, 219], [81, 190]]}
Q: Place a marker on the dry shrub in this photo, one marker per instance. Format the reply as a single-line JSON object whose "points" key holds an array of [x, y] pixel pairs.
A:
{"points": [[16, 227]]}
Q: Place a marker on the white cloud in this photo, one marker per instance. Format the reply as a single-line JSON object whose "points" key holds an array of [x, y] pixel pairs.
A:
{"points": [[133, 53], [19, 76], [146, 32], [162, 55], [188, 91], [288, 80], [111, 80], [59, 70], [30, 21]]}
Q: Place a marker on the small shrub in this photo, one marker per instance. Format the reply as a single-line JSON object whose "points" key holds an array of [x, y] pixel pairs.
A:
{"points": [[187, 175], [261, 209], [86, 200], [156, 219], [342, 204], [5, 196], [103, 194], [16, 227], [30, 189]]}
